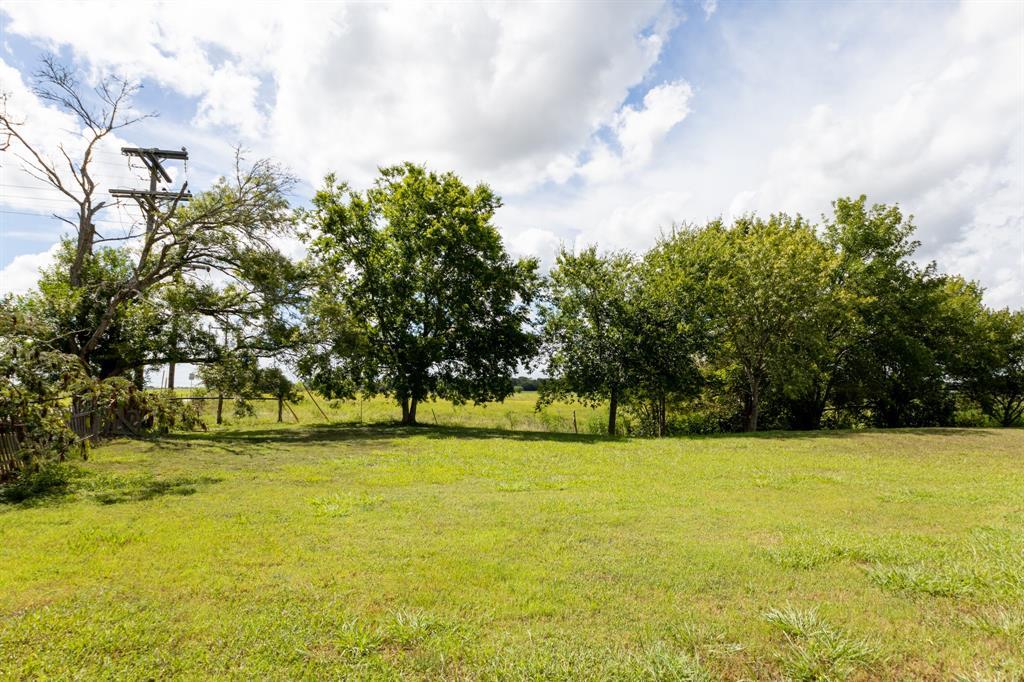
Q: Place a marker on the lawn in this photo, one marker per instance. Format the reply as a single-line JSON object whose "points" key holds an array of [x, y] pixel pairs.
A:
{"points": [[372, 551]]}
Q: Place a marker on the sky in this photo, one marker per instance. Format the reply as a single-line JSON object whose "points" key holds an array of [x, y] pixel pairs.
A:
{"points": [[597, 122]]}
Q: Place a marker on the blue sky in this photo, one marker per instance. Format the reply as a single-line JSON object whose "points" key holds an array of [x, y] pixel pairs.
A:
{"points": [[597, 122]]}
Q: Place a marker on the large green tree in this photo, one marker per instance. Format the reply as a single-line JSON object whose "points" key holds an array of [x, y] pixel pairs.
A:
{"points": [[415, 295], [901, 345], [619, 331], [871, 249]]}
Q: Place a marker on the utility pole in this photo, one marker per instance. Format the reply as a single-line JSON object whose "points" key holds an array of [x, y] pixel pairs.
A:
{"points": [[149, 201]]}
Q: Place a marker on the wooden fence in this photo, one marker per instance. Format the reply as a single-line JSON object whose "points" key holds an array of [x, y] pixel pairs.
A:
{"points": [[10, 446], [89, 422]]}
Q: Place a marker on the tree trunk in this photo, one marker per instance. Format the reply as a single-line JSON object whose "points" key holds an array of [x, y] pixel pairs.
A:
{"points": [[170, 375], [220, 407], [408, 410], [806, 414], [662, 425], [84, 247], [139, 379], [613, 408], [1012, 411], [753, 406], [280, 410]]}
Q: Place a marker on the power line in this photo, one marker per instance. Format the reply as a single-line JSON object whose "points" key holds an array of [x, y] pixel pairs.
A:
{"points": [[54, 216], [43, 215], [36, 197], [49, 188], [38, 188], [51, 198]]}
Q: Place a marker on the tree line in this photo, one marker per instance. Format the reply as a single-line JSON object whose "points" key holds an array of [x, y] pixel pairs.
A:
{"points": [[782, 324], [407, 290]]}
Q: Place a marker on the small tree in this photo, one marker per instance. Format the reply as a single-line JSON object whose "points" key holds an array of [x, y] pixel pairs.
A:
{"points": [[35, 382], [996, 380], [766, 287], [273, 381], [415, 295], [622, 331], [588, 333], [236, 374], [669, 331], [45, 393]]}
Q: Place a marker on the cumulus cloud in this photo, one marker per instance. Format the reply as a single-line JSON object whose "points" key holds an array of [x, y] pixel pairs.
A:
{"points": [[641, 222], [21, 274], [946, 144], [638, 130], [506, 89]]}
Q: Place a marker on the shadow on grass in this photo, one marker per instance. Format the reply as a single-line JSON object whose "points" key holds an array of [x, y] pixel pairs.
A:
{"points": [[829, 434], [59, 483], [117, 490], [314, 434], [239, 441], [33, 488]]}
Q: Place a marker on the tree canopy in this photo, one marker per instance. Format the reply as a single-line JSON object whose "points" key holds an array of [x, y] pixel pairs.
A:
{"points": [[415, 295]]}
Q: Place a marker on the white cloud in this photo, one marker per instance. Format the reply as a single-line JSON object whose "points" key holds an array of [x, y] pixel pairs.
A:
{"points": [[21, 274], [946, 144], [514, 94], [231, 100], [535, 242], [638, 130], [503, 89], [639, 224]]}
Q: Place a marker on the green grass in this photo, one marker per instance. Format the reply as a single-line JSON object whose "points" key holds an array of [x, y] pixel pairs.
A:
{"points": [[378, 552]]}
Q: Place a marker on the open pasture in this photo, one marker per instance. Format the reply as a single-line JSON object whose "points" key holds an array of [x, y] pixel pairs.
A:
{"points": [[376, 552]]}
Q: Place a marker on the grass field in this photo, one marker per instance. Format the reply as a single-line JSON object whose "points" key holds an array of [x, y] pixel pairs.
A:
{"points": [[372, 551], [517, 413]]}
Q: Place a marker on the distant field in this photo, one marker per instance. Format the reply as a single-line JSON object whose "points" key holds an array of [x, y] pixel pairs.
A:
{"points": [[517, 413], [375, 552]]}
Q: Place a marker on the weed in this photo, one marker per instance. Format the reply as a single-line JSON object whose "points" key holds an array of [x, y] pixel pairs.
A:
{"points": [[816, 650]]}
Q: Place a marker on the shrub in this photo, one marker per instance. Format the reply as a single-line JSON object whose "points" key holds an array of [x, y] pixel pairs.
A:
{"points": [[699, 422]]}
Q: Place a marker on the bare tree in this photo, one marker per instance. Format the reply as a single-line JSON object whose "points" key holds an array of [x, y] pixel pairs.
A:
{"points": [[225, 229], [218, 231], [105, 110]]}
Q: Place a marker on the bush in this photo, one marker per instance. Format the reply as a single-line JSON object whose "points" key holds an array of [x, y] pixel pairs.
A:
{"points": [[695, 423], [971, 417]]}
